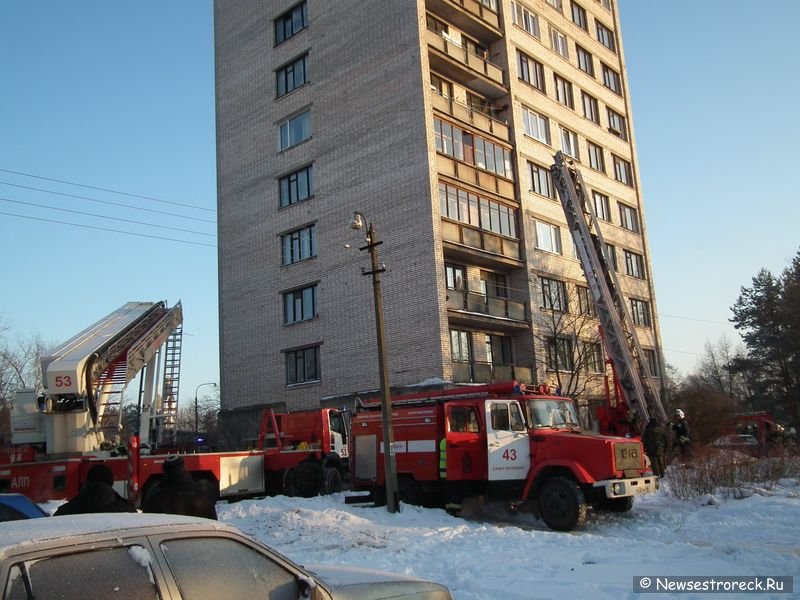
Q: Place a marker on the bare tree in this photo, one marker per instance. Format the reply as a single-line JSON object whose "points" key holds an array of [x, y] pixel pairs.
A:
{"points": [[567, 333], [717, 369], [19, 368]]}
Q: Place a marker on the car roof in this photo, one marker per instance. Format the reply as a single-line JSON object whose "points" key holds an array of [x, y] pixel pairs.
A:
{"points": [[14, 534], [23, 504]]}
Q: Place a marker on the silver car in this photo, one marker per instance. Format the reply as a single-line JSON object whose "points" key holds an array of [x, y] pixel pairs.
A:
{"points": [[138, 556]]}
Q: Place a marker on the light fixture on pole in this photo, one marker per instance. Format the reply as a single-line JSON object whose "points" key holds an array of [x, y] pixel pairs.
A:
{"points": [[196, 431], [390, 466]]}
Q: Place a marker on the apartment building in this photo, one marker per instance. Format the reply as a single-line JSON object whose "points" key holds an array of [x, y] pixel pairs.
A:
{"points": [[437, 120]]}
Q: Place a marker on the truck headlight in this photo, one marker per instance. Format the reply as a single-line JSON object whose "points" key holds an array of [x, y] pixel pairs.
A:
{"points": [[618, 488]]}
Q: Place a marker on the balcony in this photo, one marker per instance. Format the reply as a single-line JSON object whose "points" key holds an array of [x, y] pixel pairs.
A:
{"points": [[467, 68], [483, 372], [470, 16], [477, 310], [471, 115], [446, 165], [480, 247]]}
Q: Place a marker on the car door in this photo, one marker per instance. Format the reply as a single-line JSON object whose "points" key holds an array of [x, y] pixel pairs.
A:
{"points": [[507, 443], [466, 458]]}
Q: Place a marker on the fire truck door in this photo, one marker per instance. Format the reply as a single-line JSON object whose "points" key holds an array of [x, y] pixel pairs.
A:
{"points": [[507, 441], [466, 458]]}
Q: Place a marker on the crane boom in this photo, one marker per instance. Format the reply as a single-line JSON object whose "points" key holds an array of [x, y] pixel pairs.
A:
{"points": [[619, 335]]}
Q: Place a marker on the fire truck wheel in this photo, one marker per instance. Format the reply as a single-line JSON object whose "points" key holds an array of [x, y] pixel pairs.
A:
{"points": [[619, 505], [333, 480], [562, 504], [305, 480], [409, 492]]}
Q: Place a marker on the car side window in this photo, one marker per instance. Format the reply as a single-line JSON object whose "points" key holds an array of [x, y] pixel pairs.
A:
{"points": [[216, 567], [122, 573], [500, 420]]}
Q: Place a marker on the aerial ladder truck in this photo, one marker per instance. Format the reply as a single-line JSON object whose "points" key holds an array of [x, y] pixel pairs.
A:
{"points": [[639, 395]]}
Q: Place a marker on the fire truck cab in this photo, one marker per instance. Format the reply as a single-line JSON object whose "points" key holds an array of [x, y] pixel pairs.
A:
{"points": [[501, 442]]}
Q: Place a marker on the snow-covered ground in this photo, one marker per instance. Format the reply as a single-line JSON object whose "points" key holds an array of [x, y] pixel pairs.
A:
{"points": [[521, 558], [516, 556]]}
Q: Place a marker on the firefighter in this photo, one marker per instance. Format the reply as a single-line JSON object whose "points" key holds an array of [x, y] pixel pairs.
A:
{"points": [[655, 445], [97, 495], [681, 430], [179, 494], [452, 489]]}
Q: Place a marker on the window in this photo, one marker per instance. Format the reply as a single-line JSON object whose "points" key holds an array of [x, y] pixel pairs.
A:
{"points": [[295, 130], [292, 76], [300, 305], [634, 264], [295, 187], [605, 4], [530, 71], [506, 416], [435, 25], [563, 91], [541, 181], [499, 349], [652, 362], [593, 357], [579, 16], [559, 354], [489, 4], [465, 206], [590, 110], [622, 170], [302, 365], [76, 575], [585, 60], [617, 124], [611, 79], [460, 346], [548, 237], [463, 419], [474, 150], [556, 4], [441, 87], [640, 312], [535, 125], [290, 23], [455, 277], [597, 160], [585, 302], [554, 294], [602, 207], [629, 217], [494, 285], [559, 42], [298, 245], [605, 36], [569, 143], [523, 17], [201, 571], [611, 256]]}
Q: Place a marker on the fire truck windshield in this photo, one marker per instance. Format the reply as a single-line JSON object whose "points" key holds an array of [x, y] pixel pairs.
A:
{"points": [[551, 413]]}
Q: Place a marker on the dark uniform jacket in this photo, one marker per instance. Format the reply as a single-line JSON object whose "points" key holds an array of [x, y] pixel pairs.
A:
{"points": [[95, 497], [179, 494]]}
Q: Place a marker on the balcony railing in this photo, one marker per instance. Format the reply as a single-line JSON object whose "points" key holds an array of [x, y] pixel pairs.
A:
{"points": [[480, 239], [491, 306], [472, 115], [471, 62], [484, 372]]}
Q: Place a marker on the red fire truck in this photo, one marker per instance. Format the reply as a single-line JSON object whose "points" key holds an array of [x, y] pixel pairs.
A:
{"points": [[503, 442], [57, 436]]}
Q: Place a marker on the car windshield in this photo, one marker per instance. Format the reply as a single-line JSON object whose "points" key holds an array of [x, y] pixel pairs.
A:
{"points": [[551, 413]]}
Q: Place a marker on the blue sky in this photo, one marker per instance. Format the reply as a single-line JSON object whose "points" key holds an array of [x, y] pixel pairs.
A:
{"points": [[120, 96]]}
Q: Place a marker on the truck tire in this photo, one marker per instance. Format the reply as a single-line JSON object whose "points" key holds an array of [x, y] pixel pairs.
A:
{"points": [[618, 505], [409, 492], [562, 504], [333, 480], [305, 480]]}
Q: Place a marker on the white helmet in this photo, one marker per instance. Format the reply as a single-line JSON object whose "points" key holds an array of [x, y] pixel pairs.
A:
{"points": [[679, 413]]}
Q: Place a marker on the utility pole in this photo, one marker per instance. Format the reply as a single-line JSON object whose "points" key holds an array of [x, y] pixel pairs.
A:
{"points": [[389, 460]]}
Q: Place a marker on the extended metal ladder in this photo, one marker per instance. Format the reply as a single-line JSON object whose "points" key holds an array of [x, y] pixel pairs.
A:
{"points": [[169, 394], [619, 335]]}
